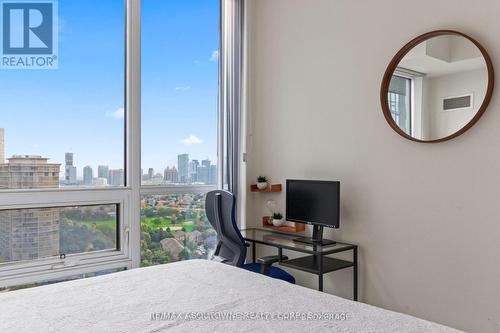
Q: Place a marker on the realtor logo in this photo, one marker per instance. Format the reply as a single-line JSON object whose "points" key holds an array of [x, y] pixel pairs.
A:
{"points": [[29, 34]]}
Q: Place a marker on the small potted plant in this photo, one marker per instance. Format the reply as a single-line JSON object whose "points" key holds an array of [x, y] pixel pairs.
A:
{"points": [[262, 182], [277, 219]]}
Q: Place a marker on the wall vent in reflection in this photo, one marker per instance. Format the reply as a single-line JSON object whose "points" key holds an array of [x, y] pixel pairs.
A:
{"points": [[458, 102]]}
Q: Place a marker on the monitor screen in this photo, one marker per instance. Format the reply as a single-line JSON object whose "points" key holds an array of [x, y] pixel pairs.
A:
{"points": [[313, 202]]}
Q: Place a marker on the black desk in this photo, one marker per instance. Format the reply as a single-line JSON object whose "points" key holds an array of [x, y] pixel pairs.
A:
{"points": [[316, 262]]}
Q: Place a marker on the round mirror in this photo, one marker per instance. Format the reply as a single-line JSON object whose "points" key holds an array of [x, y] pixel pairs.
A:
{"points": [[437, 86]]}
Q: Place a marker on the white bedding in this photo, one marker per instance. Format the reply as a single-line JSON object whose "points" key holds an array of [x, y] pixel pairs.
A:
{"points": [[123, 302]]}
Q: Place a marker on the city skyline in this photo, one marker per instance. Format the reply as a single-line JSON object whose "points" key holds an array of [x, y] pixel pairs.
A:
{"points": [[186, 171]]}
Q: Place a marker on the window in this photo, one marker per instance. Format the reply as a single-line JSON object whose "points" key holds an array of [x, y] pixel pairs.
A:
{"points": [[400, 102], [180, 76], [180, 66], [74, 197], [72, 116], [64, 207]]}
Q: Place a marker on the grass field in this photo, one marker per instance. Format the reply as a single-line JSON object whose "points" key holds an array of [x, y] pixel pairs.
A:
{"points": [[167, 223], [149, 221]]}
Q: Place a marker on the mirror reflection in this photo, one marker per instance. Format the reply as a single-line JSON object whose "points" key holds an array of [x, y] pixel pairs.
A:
{"points": [[438, 87]]}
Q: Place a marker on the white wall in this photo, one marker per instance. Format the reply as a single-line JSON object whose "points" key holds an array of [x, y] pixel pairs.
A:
{"points": [[425, 216], [444, 123]]}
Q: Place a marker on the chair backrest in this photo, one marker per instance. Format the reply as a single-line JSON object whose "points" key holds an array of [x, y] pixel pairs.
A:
{"points": [[220, 207]]}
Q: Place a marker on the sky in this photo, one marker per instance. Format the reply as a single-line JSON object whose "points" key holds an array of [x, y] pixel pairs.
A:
{"points": [[79, 106]]}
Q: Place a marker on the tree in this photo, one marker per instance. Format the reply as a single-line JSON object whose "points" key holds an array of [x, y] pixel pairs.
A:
{"points": [[148, 212], [166, 211]]}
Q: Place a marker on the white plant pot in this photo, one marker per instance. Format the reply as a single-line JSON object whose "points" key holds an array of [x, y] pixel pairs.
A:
{"points": [[262, 186], [277, 223]]}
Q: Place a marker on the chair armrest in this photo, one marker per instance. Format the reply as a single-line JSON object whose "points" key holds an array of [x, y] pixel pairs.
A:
{"points": [[267, 261]]}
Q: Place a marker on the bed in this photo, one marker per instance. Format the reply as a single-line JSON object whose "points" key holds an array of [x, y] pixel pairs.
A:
{"points": [[193, 296]]}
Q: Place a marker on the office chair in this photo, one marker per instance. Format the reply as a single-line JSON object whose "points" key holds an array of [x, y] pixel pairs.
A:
{"points": [[231, 247]]}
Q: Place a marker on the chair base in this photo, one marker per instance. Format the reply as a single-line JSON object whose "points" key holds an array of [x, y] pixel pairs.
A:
{"points": [[274, 272]]}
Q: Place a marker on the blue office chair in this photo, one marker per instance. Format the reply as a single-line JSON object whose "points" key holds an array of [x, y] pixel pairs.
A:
{"points": [[231, 247]]}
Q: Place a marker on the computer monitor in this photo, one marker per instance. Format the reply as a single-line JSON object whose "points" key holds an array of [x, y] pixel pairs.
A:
{"points": [[316, 203]]}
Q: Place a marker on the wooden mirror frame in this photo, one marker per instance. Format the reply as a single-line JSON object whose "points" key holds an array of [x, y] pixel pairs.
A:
{"points": [[384, 90]]}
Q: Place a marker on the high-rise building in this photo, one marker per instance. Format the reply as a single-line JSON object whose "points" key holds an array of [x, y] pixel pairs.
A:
{"points": [[193, 171], [183, 167], [151, 173], [68, 159], [69, 170], [116, 177], [213, 175], [2, 146], [103, 171], [204, 172], [88, 175], [171, 175], [27, 234], [206, 163], [27, 171]]}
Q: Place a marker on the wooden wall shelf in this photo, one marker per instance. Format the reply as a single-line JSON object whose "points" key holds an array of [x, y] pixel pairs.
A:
{"points": [[272, 188], [295, 227]]}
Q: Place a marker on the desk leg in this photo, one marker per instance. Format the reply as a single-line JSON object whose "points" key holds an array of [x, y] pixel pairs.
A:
{"points": [[254, 259], [319, 257], [355, 273]]}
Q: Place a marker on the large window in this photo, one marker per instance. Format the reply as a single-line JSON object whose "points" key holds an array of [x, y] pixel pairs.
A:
{"points": [[180, 67], [105, 160], [63, 205], [72, 116]]}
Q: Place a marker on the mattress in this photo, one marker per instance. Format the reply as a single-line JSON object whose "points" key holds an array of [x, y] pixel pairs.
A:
{"points": [[193, 296]]}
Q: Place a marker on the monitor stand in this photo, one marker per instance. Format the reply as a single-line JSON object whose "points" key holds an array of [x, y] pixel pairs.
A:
{"points": [[316, 239]]}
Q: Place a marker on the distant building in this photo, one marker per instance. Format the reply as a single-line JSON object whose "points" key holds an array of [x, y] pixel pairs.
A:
{"points": [[69, 170], [213, 175], [2, 146], [193, 171], [72, 176], [28, 171], [103, 171], [157, 179], [27, 234], [116, 177], [172, 247], [203, 174], [171, 175], [88, 175], [206, 163], [100, 182], [183, 167], [151, 173]]}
